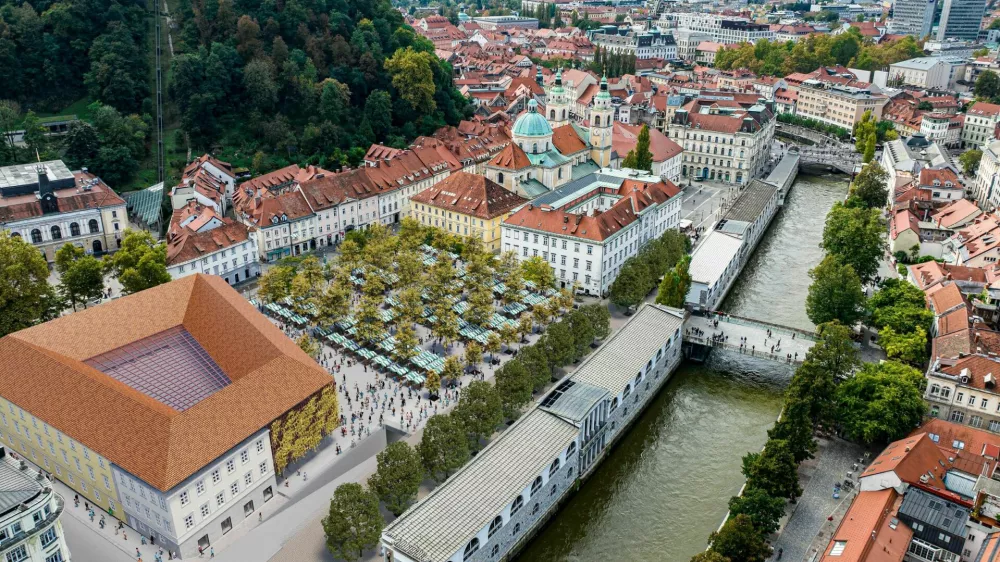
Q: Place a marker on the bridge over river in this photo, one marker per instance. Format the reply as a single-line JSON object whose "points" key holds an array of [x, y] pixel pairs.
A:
{"points": [[703, 333]]}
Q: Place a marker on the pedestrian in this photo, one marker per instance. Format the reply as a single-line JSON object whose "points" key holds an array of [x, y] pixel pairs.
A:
{"points": [[211, 552], [201, 551], [260, 514], [137, 553]]}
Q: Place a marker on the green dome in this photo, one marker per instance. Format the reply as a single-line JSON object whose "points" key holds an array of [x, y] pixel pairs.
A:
{"points": [[532, 124]]}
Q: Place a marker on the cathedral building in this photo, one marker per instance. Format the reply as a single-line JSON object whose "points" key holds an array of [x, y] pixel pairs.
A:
{"points": [[548, 149]]}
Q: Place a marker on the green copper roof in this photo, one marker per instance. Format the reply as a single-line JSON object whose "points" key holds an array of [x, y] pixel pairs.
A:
{"points": [[547, 159], [532, 123], [603, 94]]}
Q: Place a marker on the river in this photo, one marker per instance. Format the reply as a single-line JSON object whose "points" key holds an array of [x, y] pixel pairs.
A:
{"points": [[666, 485]]}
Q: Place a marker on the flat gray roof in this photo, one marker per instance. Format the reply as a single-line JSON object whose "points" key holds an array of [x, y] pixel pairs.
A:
{"points": [[624, 354], [449, 517], [751, 202], [713, 255], [27, 174], [936, 512]]}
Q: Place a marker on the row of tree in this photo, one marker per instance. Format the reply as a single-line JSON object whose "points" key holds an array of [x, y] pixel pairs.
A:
{"points": [[877, 403], [354, 522], [833, 130], [27, 298], [817, 50], [869, 131], [612, 64], [640, 273]]}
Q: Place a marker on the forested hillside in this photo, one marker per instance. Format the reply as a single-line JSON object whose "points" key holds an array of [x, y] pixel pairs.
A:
{"points": [[306, 80], [53, 53]]}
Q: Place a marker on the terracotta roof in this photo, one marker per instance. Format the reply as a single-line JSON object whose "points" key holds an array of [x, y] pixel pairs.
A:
{"points": [[976, 367], [910, 458], [952, 345], [956, 213], [188, 244], [635, 197], [902, 221], [470, 194], [511, 158], [76, 198], [954, 321], [947, 298], [983, 109], [928, 176], [979, 448], [163, 446], [868, 532], [625, 137], [567, 141]]}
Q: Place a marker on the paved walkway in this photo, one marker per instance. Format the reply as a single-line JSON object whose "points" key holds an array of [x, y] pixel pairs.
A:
{"points": [[808, 517], [778, 346]]}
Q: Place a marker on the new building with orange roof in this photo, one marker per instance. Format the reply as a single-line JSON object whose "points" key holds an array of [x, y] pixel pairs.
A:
{"points": [[870, 531], [158, 406]]}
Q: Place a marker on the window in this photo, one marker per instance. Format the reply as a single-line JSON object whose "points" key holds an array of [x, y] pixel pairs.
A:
{"points": [[536, 485], [92, 225], [216, 476], [495, 526], [248, 478], [48, 536], [248, 508], [227, 525], [234, 488], [470, 549], [188, 521], [260, 445], [838, 548], [18, 554], [56, 232], [517, 505], [74, 229], [245, 456], [200, 487], [263, 468], [982, 403], [184, 497], [552, 492], [571, 449], [231, 466], [220, 498], [496, 547], [976, 421], [957, 416], [56, 557], [554, 468], [204, 510]]}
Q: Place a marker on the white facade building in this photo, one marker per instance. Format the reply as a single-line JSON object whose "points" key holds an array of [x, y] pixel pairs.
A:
{"points": [[586, 229], [985, 190], [722, 29], [30, 530], [935, 73]]}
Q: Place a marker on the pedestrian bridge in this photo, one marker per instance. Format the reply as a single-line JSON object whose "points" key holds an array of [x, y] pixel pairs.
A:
{"points": [[831, 158], [725, 331]]}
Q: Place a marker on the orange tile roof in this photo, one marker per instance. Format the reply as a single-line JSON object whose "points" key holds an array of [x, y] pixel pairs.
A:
{"points": [[511, 158], [946, 299], [470, 194], [979, 447], [910, 458], [625, 137], [956, 213], [567, 141], [902, 221], [188, 244], [867, 532], [161, 445]]}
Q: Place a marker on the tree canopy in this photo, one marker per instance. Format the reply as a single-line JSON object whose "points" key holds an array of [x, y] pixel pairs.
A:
{"points": [[26, 298], [353, 523], [856, 236], [881, 402], [140, 263], [835, 293]]}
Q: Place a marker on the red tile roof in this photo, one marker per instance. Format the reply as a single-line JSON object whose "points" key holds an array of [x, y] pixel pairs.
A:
{"points": [[511, 158], [163, 446], [187, 244], [567, 141], [902, 221], [470, 194], [96, 195], [868, 532], [625, 137], [910, 459]]}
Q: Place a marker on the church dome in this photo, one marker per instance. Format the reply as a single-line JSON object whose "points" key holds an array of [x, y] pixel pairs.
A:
{"points": [[532, 123]]}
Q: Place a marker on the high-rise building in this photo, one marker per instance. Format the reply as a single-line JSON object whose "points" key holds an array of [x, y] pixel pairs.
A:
{"points": [[961, 19], [913, 17]]}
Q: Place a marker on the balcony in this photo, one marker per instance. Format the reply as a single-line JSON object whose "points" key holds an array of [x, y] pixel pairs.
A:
{"points": [[39, 526]]}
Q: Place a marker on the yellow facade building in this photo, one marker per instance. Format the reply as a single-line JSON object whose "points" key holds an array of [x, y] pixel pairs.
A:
{"points": [[83, 470], [467, 205]]}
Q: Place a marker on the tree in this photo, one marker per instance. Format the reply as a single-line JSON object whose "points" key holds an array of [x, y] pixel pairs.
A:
{"points": [[307, 285], [539, 272], [600, 319], [480, 411], [473, 354], [398, 477], [583, 333], [675, 285], [413, 77], [432, 383], [309, 345], [452, 368], [709, 556], [276, 284], [514, 386], [855, 235], [493, 345], [508, 272], [353, 523], [640, 158], [739, 541], [534, 360], [82, 144], [796, 428], [869, 152], [773, 470], [881, 402], [970, 161], [763, 510], [140, 263], [632, 284], [907, 347], [560, 344], [444, 447], [987, 85], [871, 186], [83, 281], [66, 255], [835, 293]]}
